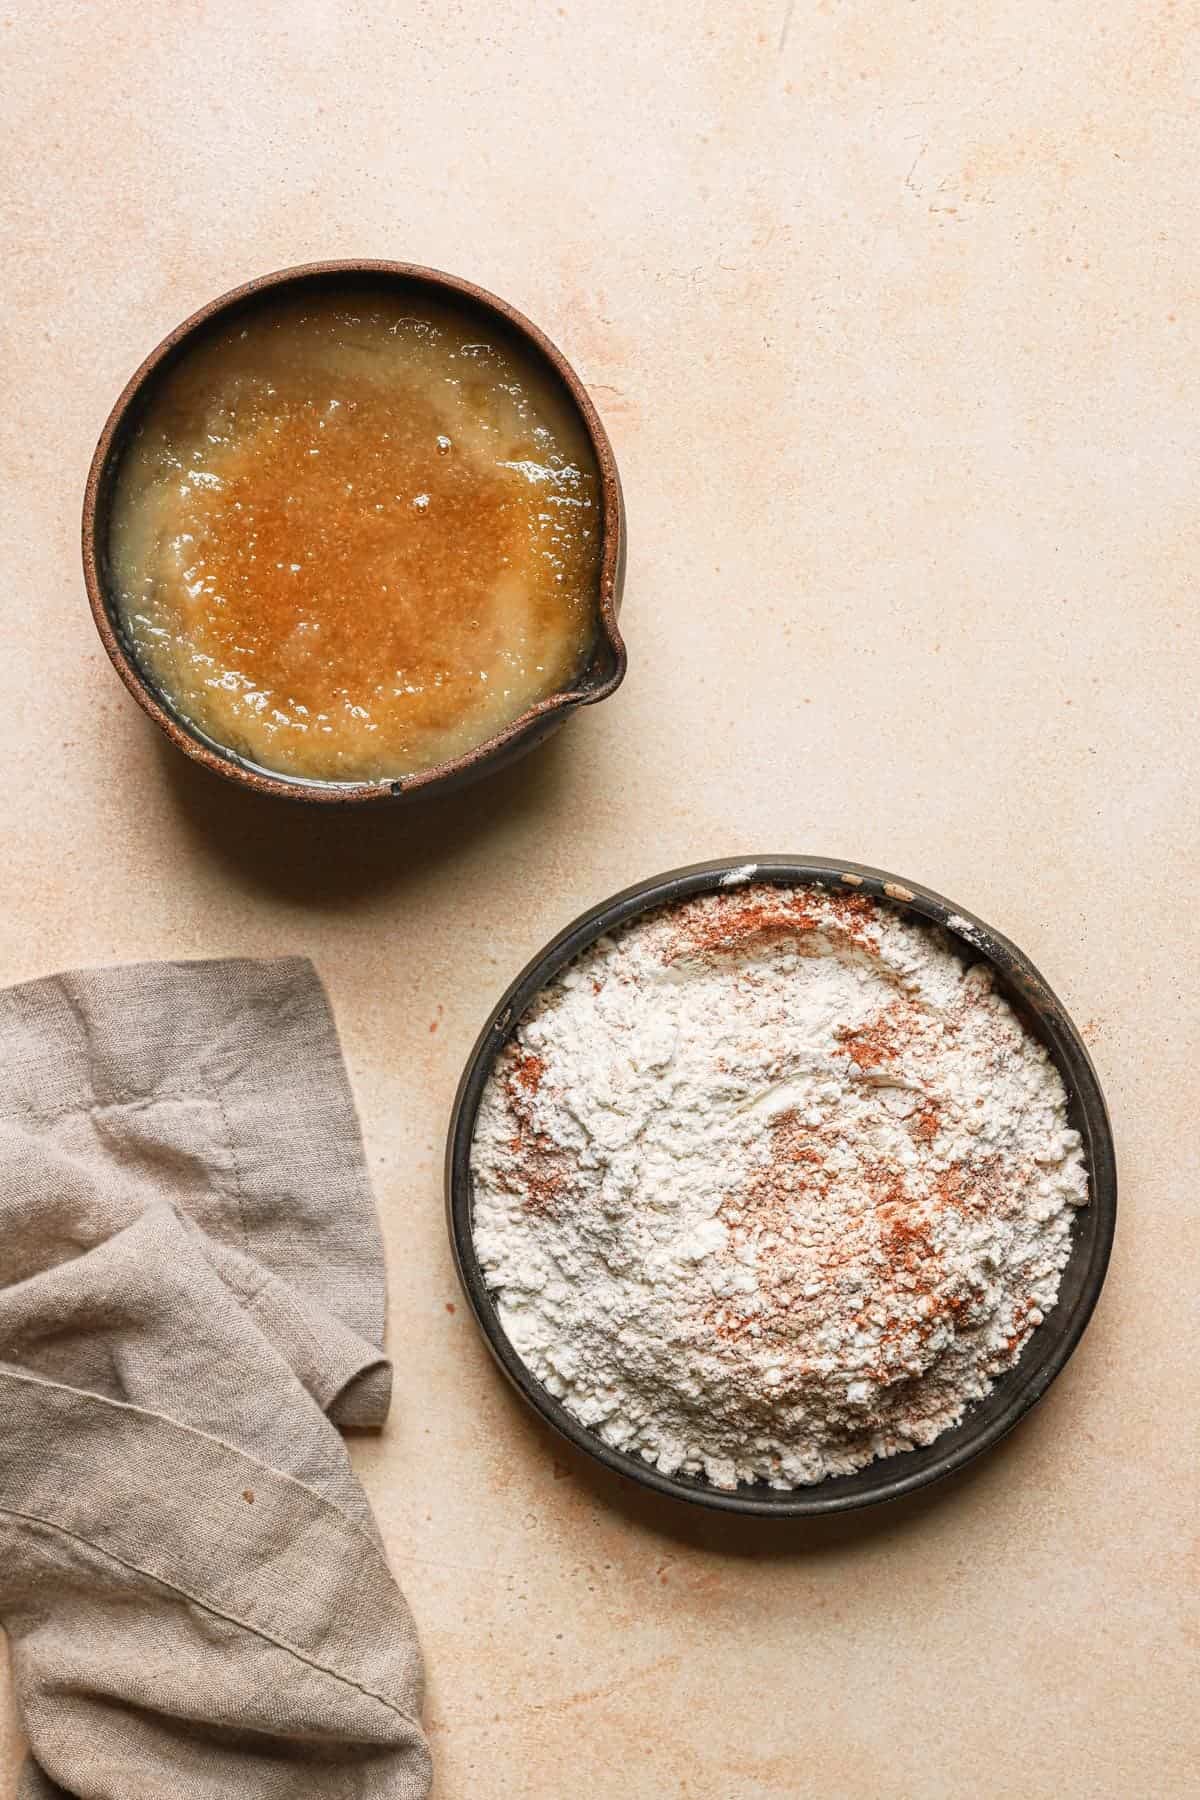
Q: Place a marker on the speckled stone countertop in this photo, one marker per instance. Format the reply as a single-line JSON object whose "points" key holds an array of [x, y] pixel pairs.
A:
{"points": [[893, 315]]}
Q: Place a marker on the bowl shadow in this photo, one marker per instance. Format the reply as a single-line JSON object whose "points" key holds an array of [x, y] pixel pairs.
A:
{"points": [[749, 1536], [327, 857]]}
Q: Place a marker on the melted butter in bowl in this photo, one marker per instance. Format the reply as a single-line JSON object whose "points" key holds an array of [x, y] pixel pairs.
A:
{"points": [[357, 533]]}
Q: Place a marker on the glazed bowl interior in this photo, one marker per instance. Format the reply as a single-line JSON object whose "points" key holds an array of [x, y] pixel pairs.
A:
{"points": [[1092, 1232], [604, 668]]}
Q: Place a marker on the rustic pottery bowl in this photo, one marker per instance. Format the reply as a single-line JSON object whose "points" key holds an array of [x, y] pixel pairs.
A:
{"points": [[605, 670], [1092, 1233]]}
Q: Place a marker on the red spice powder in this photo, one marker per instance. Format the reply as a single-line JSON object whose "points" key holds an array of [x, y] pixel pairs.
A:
{"points": [[726, 923], [926, 1123], [811, 1257], [879, 1041], [540, 1175], [527, 1070]]}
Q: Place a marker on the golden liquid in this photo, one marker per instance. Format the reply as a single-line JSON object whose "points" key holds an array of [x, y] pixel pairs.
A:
{"points": [[357, 535]]}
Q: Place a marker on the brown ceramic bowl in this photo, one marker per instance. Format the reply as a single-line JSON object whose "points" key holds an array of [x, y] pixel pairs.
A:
{"points": [[605, 671]]}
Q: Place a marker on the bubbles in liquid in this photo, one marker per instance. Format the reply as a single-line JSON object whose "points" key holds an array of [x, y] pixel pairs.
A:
{"points": [[444, 446]]}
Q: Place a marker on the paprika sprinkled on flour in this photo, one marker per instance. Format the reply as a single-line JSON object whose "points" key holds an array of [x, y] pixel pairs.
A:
{"points": [[772, 1183]]}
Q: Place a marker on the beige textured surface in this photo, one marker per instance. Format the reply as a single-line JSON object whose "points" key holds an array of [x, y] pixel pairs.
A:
{"points": [[893, 311]]}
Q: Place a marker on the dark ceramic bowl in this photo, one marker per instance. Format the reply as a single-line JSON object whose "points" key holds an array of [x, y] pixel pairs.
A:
{"points": [[1051, 1344], [606, 669]]}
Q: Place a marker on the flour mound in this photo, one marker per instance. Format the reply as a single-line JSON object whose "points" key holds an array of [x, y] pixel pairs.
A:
{"points": [[771, 1184]]}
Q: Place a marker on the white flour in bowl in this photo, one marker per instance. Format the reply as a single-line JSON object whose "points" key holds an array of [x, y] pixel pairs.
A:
{"points": [[771, 1184]]}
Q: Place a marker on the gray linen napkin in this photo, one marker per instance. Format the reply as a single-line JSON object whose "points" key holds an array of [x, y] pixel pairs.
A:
{"points": [[191, 1298]]}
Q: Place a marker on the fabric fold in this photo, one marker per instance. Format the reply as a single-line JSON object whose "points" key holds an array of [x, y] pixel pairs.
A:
{"points": [[191, 1298]]}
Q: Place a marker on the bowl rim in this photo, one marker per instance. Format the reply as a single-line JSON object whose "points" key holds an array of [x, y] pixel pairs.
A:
{"points": [[1021, 982], [532, 723]]}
